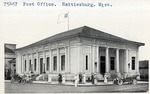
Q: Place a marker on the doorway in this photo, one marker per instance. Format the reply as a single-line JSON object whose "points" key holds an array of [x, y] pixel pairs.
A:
{"points": [[102, 64]]}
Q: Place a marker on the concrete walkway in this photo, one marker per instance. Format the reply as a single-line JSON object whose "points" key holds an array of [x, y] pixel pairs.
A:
{"points": [[71, 83]]}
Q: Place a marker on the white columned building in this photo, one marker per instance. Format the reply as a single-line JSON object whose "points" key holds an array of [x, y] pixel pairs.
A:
{"points": [[80, 50]]}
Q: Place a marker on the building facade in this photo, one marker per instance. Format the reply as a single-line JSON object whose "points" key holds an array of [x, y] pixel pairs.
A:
{"points": [[144, 70], [8, 57], [82, 49]]}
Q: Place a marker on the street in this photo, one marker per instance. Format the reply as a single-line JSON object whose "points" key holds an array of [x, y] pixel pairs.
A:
{"points": [[48, 88]]}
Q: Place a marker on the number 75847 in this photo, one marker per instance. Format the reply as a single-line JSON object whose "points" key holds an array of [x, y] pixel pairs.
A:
{"points": [[8, 4]]}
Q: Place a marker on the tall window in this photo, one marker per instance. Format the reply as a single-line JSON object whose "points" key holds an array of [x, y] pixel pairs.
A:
{"points": [[35, 64], [30, 65], [86, 61], [41, 65], [112, 63], [44, 67], [55, 63], [25, 65], [133, 63], [47, 63], [63, 62]]}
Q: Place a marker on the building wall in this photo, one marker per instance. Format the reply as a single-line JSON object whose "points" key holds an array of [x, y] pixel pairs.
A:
{"points": [[11, 46], [144, 69], [74, 59], [48, 50], [133, 54], [86, 58], [8, 56], [77, 52], [13, 68], [112, 53]]}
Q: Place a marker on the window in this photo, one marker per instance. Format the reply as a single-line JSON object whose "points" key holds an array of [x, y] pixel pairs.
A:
{"points": [[112, 63], [55, 63], [41, 65], [35, 64], [25, 65], [44, 67], [133, 63], [86, 58], [103, 59], [30, 65], [47, 62], [63, 62]]}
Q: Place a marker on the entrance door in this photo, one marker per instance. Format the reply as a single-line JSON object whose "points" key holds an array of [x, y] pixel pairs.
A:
{"points": [[41, 65], [102, 65]]}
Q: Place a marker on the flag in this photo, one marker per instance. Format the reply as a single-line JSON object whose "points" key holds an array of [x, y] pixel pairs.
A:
{"points": [[66, 15], [62, 17]]}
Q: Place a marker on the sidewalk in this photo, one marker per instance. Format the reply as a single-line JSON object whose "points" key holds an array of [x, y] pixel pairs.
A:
{"points": [[72, 84], [68, 83]]}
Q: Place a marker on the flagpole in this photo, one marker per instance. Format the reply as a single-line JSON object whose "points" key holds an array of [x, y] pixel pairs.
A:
{"points": [[66, 15], [68, 21]]}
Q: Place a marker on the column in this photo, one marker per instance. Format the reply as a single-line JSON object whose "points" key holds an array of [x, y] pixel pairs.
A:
{"points": [[58, 63], [129, 61], [126, 62], [107, 60], [37, 63], [93, 59], [27, 63], [79, 58], [32, 62], [69, 59], [66, 63], [44, 61], [97, 51], [19, 63], [22, 61], [117, 62], [137, 62], [16, 62], [50, 61]]}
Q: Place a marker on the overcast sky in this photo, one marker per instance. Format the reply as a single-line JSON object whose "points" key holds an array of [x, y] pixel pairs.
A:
{"points": [[127, 19]]}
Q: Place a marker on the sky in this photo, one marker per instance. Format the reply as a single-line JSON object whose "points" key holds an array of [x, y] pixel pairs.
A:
{"points": [[23, 25]]}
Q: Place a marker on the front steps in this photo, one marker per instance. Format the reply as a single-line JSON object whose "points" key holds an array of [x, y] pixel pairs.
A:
{"points": [[42, 77]]}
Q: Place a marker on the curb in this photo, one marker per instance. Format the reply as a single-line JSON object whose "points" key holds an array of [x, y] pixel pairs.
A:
{"points": [[72, 84], [66, 84]]}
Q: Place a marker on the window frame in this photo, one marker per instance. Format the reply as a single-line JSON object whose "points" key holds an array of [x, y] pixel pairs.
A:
{"points": [[54, 63], [112, 63], [86, 62], [30, 65], [47, 63], [133, 63], [25, 65], [35, 64], [63, 61]]}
